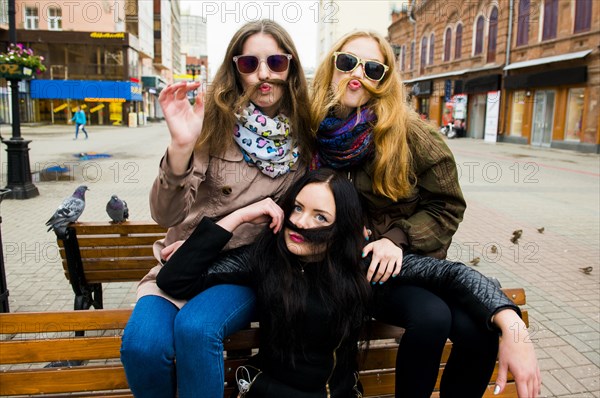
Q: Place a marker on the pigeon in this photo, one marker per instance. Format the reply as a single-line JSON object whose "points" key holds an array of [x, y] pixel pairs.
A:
{"points": [[117, 209], [494, 249], [475, 261], [541, 230], [586, 270], [68, 211]]}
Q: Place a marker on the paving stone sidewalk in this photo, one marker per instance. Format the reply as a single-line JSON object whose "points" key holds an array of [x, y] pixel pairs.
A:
{"points": [[507, 187]]}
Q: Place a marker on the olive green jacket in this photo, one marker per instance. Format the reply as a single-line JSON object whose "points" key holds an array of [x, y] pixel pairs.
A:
{"points": [[425, 221]]}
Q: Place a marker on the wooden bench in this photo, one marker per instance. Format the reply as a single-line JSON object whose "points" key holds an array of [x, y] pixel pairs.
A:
{"points": [[29, 340], [100, 252]]}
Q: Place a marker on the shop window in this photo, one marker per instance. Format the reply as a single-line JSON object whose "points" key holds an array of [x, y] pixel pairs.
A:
{"points": [[574, 114], [32, 18], [583, 15], [54, 18], [492, 35], [431, 48], [424, 108], [523, 23], [447, 44], [518, 110], [550, 19], [479, 35], [458, 45]]}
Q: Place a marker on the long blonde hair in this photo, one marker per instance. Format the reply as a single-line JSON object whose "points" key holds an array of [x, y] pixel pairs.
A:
{"points": [[226, 92], [393, 175]]}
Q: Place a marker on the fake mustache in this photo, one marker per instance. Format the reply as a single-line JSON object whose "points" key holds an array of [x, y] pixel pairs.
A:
{"points": [[312, 235]]}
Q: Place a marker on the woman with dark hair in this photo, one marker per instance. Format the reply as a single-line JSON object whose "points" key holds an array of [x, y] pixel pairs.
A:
{"points": [[312, 292], [240, 148]]}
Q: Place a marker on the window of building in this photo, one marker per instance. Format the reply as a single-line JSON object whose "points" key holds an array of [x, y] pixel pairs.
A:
{"points": [[458, 45], [575, 114], [583, 15], [518, 110], [447, 44], [423, 53], [32, 18], [550, 19], [479, 35], [523, 23], [412, 55], [431, 48], [54, 18], [3, 15], [492, 35], [403, 59]]}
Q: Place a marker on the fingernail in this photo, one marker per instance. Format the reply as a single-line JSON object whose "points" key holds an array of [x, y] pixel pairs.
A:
{"points": [[393, 276], [381, 283], [367, 238], [497, 390], [363, 254], [373, 283]]}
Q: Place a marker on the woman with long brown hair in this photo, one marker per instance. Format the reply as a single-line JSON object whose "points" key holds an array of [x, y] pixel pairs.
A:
{"points": [[239, 148]]}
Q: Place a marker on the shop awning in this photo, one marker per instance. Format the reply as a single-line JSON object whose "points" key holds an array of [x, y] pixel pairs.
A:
{"points": [[548, 60], [87, 90], [452, 73]]}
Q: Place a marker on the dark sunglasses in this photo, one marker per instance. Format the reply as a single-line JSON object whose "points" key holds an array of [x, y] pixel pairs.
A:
{"points": [[277, 63], [346, 62]]}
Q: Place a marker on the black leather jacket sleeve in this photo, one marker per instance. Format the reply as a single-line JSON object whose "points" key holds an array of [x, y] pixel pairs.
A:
{"points": [[196, 265], [480, 295]]}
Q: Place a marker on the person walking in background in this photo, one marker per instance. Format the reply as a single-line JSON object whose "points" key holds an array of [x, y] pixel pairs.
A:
{"points": [[80, 121]]}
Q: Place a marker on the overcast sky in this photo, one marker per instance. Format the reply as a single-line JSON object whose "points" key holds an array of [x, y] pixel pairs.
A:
{"points": [[225, 17]]}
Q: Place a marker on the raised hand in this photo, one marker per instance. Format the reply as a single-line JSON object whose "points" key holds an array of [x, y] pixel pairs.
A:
{"points": [[184, 121]]}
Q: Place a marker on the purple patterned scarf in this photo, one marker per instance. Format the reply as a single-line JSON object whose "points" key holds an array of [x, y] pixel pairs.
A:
{"points": [[343, 143]]}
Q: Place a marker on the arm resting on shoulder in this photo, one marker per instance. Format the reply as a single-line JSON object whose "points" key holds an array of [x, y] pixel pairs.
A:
{"points": [[477, 293], [184, 275]]}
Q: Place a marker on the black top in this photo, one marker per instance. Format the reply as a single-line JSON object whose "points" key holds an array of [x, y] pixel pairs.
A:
{"points": [[323, 363]]}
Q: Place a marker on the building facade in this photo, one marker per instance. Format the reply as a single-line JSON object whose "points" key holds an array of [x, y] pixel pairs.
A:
{"points": [[97, 54], [508, 70]]}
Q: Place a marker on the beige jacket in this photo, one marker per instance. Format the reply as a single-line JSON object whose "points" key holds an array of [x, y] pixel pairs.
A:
{"points": [[213, 186]]}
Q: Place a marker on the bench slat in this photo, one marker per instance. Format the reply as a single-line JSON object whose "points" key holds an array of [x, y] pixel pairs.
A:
{"points": [[61, 349], [116, 276], [36, 322], [115, 252], [128, 227], [115, 240], [51, 381]]}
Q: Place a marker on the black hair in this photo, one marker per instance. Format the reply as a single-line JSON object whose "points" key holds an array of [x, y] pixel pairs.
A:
{"points": [[341, 282]]}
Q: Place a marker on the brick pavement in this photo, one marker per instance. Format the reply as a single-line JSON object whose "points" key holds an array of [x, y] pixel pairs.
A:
{"points": [[507, 187]]}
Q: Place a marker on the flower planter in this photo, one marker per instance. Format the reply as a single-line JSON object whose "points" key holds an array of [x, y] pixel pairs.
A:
{"points": [[15, 71]]}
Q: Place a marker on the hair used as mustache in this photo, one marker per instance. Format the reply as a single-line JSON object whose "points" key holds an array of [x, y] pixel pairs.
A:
{"points": [[252, 90], [313, 235]]}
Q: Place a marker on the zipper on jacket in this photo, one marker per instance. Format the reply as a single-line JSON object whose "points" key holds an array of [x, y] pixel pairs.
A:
{"points": [[327, 388]]}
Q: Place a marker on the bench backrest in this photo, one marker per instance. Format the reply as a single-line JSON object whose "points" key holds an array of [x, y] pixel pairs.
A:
{"points": [[110, 252], [30, 340]]}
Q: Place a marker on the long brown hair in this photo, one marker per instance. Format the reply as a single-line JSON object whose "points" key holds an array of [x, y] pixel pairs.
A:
{"points": [[393, 175], [223, 95]]}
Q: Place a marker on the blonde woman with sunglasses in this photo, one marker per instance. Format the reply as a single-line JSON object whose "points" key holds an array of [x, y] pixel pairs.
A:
{"points": [[407, 179], [236, 147]]}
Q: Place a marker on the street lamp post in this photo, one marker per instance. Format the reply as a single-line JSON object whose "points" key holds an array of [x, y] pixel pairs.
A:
{"points": [[18, 170]]}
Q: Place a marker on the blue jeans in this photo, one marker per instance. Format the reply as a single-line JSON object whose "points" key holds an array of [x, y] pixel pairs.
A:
{"points": [[77, 126], [158, 332]]}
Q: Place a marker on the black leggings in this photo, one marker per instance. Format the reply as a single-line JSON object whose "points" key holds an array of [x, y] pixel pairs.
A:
{"points": [[429, 321]]}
